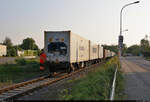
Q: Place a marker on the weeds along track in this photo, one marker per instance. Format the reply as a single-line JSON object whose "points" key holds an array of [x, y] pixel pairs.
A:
{"points": [[11, 92]]}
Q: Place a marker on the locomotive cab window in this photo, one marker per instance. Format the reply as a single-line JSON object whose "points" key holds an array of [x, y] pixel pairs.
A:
{"points": [[59, 47]]}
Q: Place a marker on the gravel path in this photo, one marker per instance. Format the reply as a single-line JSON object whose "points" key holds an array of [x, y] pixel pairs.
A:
{"points": [[137, 75]]}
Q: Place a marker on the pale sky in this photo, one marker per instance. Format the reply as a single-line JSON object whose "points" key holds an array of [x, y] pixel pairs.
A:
{"points": [[96, 20]]}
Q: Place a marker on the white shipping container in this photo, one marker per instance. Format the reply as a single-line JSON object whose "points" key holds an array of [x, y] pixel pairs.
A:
{"points": [[109, 53], [106, 53], [65, 46], [79, 48], [93, 51], [3, 50], [113, 54], [100, 50]]}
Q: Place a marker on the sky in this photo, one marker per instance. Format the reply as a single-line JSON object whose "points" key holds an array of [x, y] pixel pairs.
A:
{"points": [[96, 20]]}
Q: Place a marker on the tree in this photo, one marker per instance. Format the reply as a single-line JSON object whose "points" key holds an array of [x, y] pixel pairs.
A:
{"points": [[134, 50], [18, 47], [29, 44], [145, 44], [8, 42], [124, 49], [145, 47], [113, 48], [11, 51]]}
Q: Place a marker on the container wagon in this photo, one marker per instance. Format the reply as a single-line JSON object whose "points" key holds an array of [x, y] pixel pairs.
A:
{"points": [[106, 54], [100, 52], [93, 52], [65, 50]]}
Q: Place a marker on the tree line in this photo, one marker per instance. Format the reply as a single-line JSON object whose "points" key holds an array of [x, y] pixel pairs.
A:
{"points": [[136, 50], [27, 44], [142, 49]]}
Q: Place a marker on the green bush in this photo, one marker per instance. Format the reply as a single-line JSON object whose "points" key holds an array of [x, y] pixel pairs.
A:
{"points": [[96, 85], [21, 61], [24, 69], [30, 52], [146, 53]]}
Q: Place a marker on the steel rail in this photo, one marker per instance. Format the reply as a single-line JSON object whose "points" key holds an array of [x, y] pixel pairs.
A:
{"points": [[11, 87], [113, 86], [28, 86]]}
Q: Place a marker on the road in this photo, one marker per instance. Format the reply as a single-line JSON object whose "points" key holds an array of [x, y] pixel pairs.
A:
{"points": [[137, 77]]}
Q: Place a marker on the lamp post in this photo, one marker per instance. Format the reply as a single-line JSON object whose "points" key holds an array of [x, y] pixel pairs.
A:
{"points": [[125, 30], [120, 42]]}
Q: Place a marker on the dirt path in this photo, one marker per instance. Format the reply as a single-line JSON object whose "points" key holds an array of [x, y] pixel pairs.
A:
{"points": [[137, 78]]}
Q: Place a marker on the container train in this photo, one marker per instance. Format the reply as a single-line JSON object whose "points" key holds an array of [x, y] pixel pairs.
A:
{"points": [[67, 51]]}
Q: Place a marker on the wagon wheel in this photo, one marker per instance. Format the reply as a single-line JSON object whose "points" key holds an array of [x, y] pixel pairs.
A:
{"points": [[72, 68], [68, 70], [50, 73]]}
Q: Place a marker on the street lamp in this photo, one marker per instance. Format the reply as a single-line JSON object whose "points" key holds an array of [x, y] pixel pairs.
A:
{"points": [[125, 30], [120, 36], [121, 14]]}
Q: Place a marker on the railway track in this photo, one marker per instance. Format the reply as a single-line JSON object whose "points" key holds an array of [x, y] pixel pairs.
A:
{"points": [[11, 92]]}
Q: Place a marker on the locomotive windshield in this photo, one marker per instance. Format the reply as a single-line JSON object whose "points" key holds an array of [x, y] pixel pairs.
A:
{"points": [[59, 47]]}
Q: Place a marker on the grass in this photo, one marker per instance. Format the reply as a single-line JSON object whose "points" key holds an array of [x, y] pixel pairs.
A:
{"points": [[96, 85], [148, 58], [21, 71]]}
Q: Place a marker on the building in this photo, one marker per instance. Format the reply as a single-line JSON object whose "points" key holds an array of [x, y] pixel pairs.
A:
{"points": [[20, 53], [3, 50]]}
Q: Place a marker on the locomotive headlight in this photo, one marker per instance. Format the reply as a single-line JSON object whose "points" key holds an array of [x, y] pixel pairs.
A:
{"points": [[62, 39], [50, 39]]}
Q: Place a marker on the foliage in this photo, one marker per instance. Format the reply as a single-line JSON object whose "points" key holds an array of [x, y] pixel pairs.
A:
{"points": [[18, 47], [148, 58], [146, 53], [29, 44], [120, 85], [96, 85], [11, 51], [113, 48], [134, 49], [21, 61], [8, 42], [20, 71], [145, 47], [124, 49], [30, 52], [145, 44]]}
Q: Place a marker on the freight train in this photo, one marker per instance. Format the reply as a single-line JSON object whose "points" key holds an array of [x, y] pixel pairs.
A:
{"points": [[66, 51]]}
